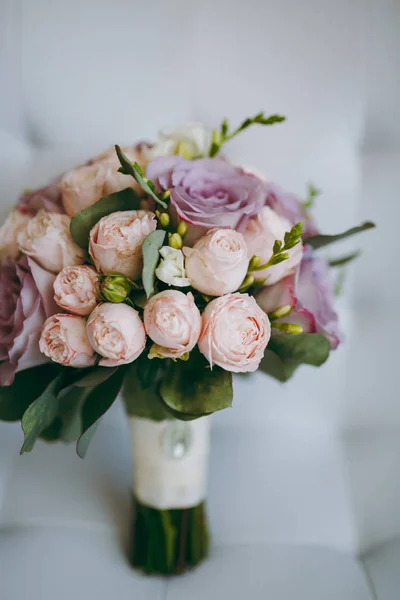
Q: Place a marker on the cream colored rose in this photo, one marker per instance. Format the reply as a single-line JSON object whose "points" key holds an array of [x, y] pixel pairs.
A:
{"points": [[14, 224], [85, 185], [173, 321], [260, 234], [171, 269], [75, 290], [235, 333], [115, 242], [47, 239], [117, 333], [65, 341], [218, 262], [190, 141]]}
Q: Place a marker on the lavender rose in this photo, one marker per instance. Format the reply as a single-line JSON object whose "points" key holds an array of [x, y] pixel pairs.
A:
{"points": [[26, 300], [208, 192], [310, 295], [291, 208]]}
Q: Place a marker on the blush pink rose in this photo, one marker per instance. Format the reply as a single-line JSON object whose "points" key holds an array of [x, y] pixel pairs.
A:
{"points": [[173, 321], [117, 333], [115, 242], [65, 341], [218, 262], [47, 239], [26, 300], [47, 198], [84, 186], [260, 234], [235, 333], [75, 290], [9, 231]]}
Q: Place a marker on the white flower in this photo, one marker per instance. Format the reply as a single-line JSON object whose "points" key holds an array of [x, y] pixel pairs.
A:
{"points": [[189, 141], [171, 269]]}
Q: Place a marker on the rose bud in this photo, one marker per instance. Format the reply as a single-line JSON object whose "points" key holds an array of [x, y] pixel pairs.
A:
{"points": [[47, 239], [75, 290], [173, 321], [235, 333], [117, 333], [115, 288], [217, 263], [65, 341], [260, 234], [115, 242]]}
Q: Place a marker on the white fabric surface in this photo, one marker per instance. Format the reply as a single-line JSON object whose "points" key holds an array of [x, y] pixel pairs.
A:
{"points": [[303, 476]]}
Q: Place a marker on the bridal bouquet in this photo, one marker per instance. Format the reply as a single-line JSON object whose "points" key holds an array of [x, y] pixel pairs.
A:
{"points": [[159, 270]]}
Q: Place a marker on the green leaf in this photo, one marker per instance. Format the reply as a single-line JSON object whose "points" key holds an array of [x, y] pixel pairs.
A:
{"points": [[151, 257], [193, 389], [71, 401], [344, 260], [319, 241], [97, 404], [40, 413], [27, 386], [286, 352], [133, 169], [141, 396], [83, 221]]}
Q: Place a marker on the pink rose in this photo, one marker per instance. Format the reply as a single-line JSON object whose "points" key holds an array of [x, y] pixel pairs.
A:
{"points": [[309, 293], [115, 242], [117, 333], [173, 321], [235, 333], [47, 239], [75, 290], [26, 300], [65, 341], [218, 262], [291, 208], [260, 234], [47, 198], [14, 224], [84, 186]]}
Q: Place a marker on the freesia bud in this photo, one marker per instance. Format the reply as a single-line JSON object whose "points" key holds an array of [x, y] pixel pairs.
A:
{"points": [[254, 262], [182, 228], [164, 219], [288, 328], [175, 241], [280, 312]]}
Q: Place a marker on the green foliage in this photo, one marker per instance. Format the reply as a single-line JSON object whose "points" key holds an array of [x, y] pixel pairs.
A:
{"points": [[344, 260], [141, 384], [313, 193], [151, 257], [27, 386], [286, 352], [222, 135], [83, 221], [319, 241], [280, 249], [133, 169], [191, 389]]}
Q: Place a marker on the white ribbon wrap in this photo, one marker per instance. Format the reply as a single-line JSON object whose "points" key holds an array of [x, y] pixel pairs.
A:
{"points": [[170, 461]]}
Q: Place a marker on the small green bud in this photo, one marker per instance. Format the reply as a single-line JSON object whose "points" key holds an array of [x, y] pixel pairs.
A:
{"points": [[288, 328], [216, 137], [184, 356], [182, 228], [164, 219], [175, 241], [280, 312], [254, 262], [166, 194], [115, 288], [247, 283]]}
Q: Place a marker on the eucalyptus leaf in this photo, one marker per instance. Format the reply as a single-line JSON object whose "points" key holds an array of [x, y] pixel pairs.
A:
{"points": [[97, 404], [140, 394], [40, 414], [319, 241], [194, 389], [83, 221], [151, 257], [27, 386], [344, 260], [71, 402]]}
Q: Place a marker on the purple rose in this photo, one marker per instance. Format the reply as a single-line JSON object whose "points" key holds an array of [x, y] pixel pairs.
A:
{"points": [[26, 300], [208, 192], [290, 206], [48, 197], [310, 294]]}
